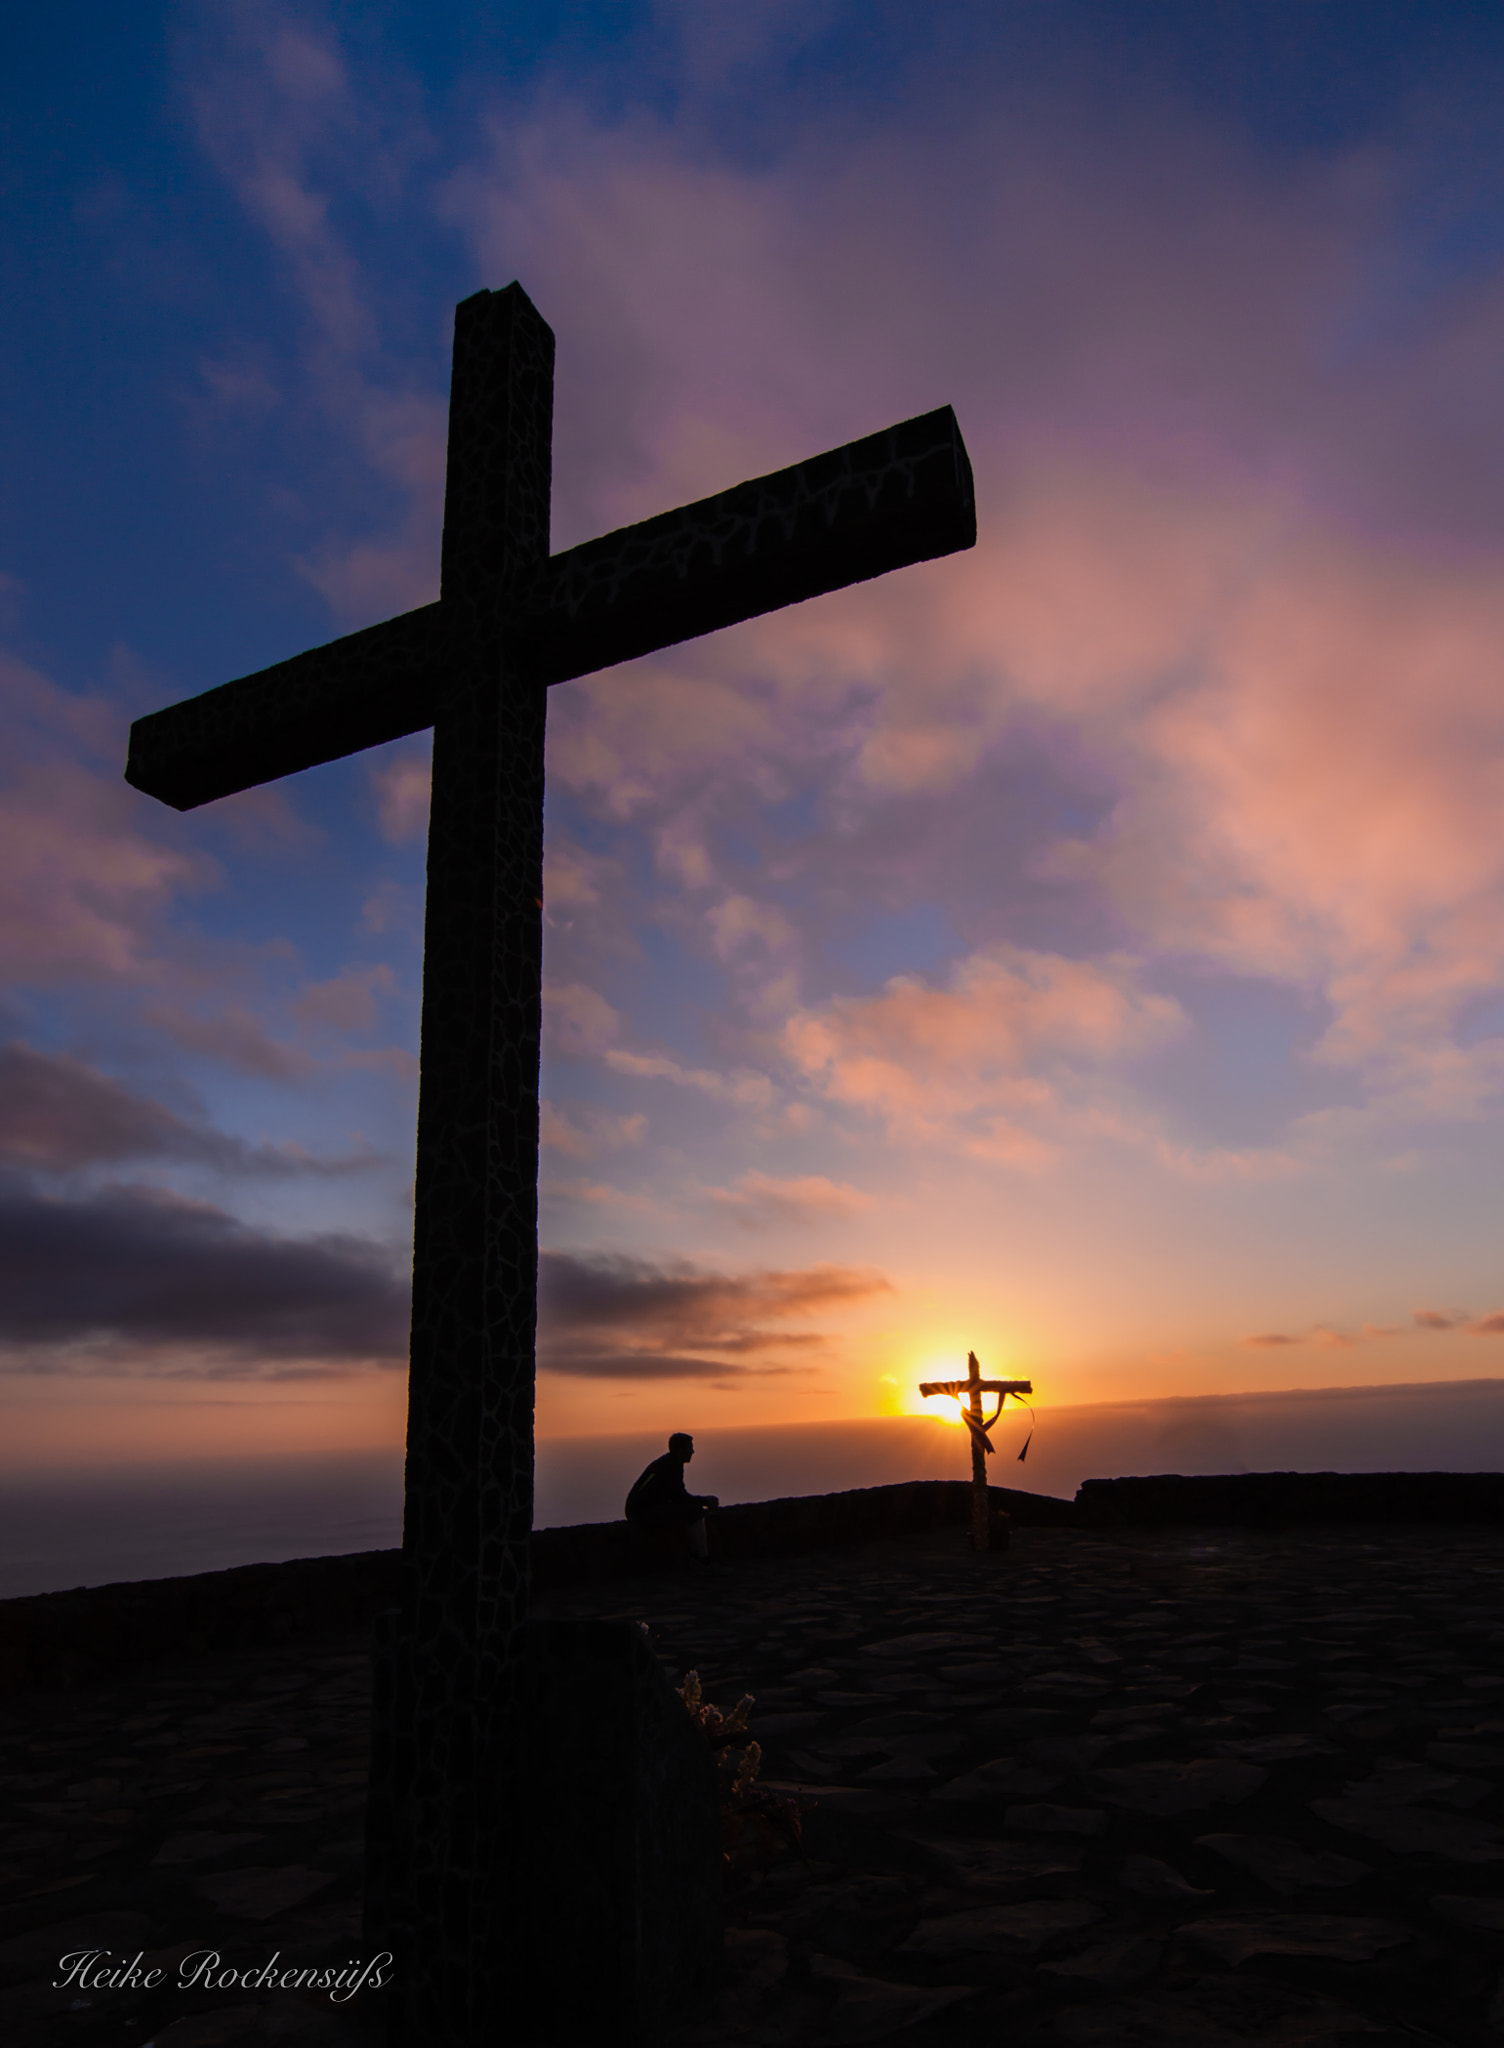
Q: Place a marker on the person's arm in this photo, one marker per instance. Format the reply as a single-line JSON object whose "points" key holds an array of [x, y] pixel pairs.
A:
{"points": [[642, 1492]]}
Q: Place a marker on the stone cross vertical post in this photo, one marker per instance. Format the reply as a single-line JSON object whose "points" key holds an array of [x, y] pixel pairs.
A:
{"points": [[977, 1427], [452, 1788], [469, 1473]]}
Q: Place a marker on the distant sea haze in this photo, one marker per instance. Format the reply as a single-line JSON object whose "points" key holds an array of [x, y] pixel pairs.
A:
{"points": [[92, 1528]]}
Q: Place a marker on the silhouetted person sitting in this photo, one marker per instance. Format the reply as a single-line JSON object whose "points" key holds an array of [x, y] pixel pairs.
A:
{"points": [[660, 1499]]}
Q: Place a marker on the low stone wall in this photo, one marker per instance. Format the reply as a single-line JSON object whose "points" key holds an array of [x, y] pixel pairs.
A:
{"points": [[1256, 1500], [781, 1528], [66, 1639]]}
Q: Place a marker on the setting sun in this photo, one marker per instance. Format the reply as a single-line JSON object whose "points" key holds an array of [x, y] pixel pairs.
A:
{"points": [[899, 1394], [944, 1365]]}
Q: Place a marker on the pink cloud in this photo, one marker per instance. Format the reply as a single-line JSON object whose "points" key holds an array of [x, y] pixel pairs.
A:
{"points": [[572, 881], [1322, 805], [585, 1131], [231, 1034], [760, 1199], [92, 874], [1327, 1337], [392, 907], [80, 892], [83, 889], [58, 1114], [349, 1001], [741, 1087], [398, 1062], [402, 437], [582, 1023], [760, 945], [989, 1043], [236, 389]]}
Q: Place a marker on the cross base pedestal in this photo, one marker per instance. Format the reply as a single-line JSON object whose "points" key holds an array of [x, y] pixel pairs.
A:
{"points": [[610, 1879], [623, 1827]]}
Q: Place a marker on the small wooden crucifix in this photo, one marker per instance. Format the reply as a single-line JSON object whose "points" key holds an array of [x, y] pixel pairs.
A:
{"points": [[511, 620], [974, 1387]]}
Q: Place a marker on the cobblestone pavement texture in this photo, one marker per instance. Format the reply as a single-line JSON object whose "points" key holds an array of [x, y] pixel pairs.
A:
{"points": [[1168, 1789]]}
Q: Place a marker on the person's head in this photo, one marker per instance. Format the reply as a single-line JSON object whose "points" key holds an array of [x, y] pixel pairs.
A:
{"points": [[681, 1447]]}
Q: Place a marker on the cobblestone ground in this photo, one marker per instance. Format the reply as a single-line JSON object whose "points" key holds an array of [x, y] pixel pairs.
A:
{"points": [[1156, 1790]]}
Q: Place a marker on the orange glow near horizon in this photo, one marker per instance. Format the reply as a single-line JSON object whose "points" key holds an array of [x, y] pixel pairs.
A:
{"points": [[111, 1422]]}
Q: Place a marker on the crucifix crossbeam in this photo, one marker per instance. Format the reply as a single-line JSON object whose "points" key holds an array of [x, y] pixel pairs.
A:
{"points": [[981, 1427], [453, 1875]]}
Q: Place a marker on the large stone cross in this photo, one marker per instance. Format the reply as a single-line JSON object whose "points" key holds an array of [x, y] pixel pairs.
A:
{"points": [[476, 666]]}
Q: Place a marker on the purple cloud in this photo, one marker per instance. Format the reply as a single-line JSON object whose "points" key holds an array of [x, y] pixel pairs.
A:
{"points": [[140, 1279], [57, 1114], [613, 1317]]}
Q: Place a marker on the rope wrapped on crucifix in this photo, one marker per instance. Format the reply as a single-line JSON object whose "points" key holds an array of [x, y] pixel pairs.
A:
{"points": [[968, 1394]]}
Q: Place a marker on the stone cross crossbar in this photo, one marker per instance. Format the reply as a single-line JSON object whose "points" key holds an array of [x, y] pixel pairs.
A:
{"points": [[892, 498]]}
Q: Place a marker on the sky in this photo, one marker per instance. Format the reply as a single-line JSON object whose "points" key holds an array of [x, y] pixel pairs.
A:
{"points": [[1087, 950]]}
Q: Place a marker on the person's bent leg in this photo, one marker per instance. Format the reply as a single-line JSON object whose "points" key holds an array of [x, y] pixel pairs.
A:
{"points": [[699, 1540]]}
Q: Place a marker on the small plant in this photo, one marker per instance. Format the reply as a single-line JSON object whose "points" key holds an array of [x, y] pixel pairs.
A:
{"points": [[717, 1728], [756, 1824]]}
